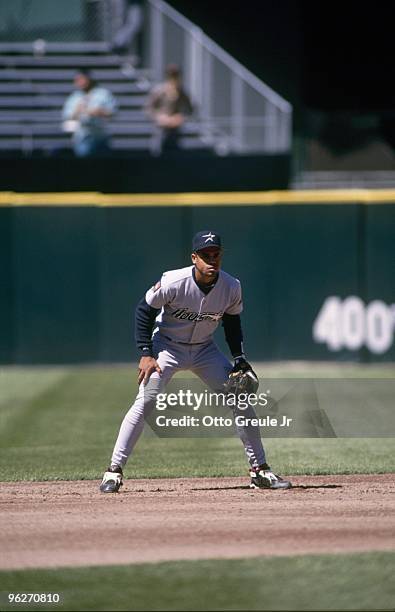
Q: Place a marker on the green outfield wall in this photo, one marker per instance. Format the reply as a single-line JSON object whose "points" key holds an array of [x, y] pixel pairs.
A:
{"points": [[317, 270]]}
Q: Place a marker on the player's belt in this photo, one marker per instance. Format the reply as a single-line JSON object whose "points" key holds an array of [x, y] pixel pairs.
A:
{"points": [[185, 343]]}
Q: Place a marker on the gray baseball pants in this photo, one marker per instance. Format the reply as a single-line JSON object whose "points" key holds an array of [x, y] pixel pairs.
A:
{"points": [[211, 366]]}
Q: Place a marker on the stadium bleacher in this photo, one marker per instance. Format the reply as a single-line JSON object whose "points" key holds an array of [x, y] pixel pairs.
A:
{"points": [[34, 86]]}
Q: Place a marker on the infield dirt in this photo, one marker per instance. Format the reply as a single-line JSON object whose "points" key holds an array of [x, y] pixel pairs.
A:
{"points": [[55, 524]]}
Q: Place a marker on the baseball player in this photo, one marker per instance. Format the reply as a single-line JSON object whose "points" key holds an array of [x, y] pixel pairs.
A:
{"points": [[175, 322]]}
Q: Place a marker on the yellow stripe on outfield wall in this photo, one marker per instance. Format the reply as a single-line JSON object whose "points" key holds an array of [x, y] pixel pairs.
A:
{"points": [[231, 198]]}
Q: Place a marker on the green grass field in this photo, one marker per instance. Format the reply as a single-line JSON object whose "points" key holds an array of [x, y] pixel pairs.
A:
{"points": [[321, 582], [61, 423]]}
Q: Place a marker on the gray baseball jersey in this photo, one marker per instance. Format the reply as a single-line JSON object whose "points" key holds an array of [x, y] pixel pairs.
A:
{"points": [[187, 314]]}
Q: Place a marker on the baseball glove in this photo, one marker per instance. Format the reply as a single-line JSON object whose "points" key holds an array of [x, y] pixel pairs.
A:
{"points": [[242, 379]]}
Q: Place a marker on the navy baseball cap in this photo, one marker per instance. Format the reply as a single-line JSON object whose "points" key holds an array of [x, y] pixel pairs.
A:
{"points": [[204, 239]]}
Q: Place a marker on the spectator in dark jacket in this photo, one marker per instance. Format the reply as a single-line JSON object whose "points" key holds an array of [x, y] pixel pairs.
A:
{"points": [[168, 106]]}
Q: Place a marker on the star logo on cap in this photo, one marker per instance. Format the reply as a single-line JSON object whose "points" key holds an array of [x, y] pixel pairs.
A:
{"points": [[208, 237]]}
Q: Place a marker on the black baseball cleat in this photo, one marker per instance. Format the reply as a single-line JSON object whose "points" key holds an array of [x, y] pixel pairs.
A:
{"points": [[264, 478], [112, 480]]}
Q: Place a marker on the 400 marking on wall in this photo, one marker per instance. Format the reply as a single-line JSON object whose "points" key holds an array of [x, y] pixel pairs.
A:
{"points": [[351, 324]]}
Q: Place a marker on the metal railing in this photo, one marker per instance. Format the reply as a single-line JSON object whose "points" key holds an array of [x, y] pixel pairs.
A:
{"points": [[237, 111]]}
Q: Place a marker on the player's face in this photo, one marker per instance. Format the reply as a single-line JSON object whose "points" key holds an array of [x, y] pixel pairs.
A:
{"points": [[208, 261]]}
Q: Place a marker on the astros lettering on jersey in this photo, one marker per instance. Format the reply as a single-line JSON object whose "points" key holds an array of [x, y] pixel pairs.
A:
{"points": [[187, 314]]}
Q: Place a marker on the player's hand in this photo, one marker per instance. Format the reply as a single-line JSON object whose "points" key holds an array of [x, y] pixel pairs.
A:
{"points": [[147, 366], [241, 365]]}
